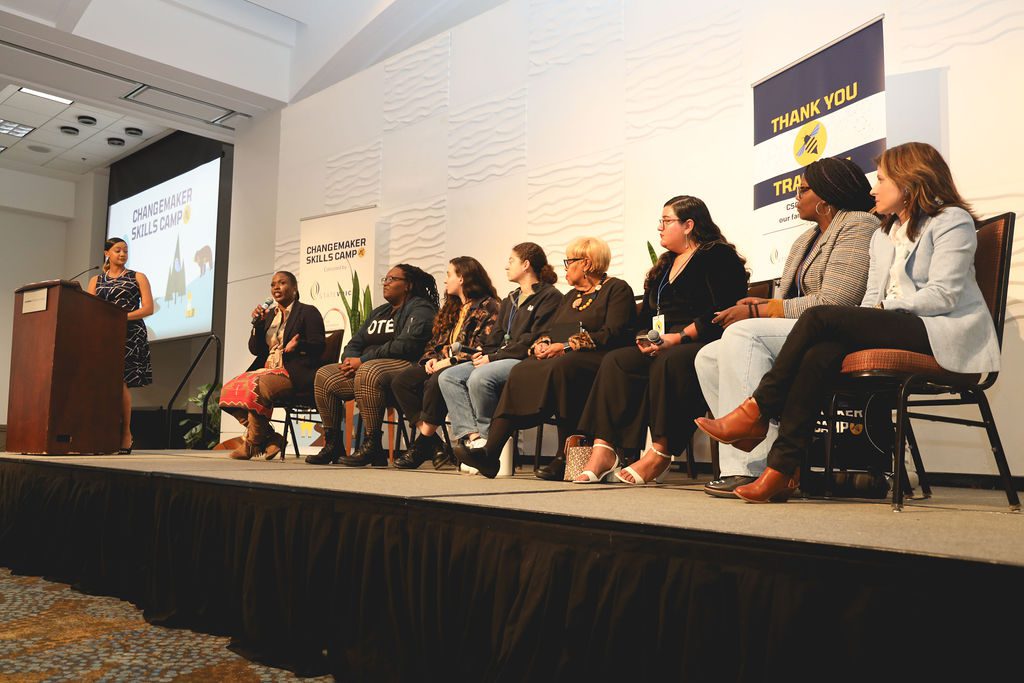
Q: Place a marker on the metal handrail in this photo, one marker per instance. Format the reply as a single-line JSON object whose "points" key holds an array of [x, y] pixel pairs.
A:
{"points": [[206, 399]]}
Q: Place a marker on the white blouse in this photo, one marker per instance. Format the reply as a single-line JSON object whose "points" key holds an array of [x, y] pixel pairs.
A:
{"points": [[902, 244]]}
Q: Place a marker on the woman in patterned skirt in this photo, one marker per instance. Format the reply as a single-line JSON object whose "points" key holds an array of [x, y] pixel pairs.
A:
{"points": [[129, 290]]}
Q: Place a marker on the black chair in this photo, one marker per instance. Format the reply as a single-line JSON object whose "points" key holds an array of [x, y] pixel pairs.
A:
{"points": [[302, 406], [903, 373]]}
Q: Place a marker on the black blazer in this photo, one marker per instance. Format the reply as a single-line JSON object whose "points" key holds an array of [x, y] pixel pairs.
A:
{"points": [[304, 361]]}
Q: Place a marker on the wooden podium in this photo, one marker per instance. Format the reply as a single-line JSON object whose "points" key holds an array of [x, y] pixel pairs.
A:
{"points": [[67, 370]]}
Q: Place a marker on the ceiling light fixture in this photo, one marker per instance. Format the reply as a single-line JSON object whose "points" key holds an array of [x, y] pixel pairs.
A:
{"points": [[40, 149], [45, 96], [69, 130], [87, 120], [2, 148], [131, 130], [115, 142], [18, 130]]}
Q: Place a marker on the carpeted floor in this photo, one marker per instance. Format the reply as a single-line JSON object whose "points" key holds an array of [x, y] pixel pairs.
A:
{"points": [[49, 632]]}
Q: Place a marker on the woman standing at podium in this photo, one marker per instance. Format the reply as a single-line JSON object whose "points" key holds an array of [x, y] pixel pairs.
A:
{"points": [[129, 290]]}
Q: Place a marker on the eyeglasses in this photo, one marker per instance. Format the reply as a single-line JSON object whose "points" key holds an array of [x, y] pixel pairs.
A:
{"points": [[569, 261], [665, 221], [389, 279], [801, 189]]}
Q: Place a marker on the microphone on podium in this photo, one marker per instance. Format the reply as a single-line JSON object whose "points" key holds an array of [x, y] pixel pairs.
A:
{"points": [[267, 303], [87, 270]]}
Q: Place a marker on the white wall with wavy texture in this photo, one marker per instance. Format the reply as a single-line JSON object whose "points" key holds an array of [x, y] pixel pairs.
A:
{"points": [[546, 120]]}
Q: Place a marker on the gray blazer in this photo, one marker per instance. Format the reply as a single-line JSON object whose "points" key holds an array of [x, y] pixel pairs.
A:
{"points": [[939, 285], [838, 264]]}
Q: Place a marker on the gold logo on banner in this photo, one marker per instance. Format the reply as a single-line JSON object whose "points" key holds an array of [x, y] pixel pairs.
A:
{"points": [[362, 251], [187, 213], [810, 142]]}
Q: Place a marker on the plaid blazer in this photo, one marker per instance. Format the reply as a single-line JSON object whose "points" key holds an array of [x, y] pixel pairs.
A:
{"points": [[837, 266]]}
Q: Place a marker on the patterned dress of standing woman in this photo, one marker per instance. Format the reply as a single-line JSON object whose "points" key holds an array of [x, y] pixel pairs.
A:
{"points": [[124, 291]]}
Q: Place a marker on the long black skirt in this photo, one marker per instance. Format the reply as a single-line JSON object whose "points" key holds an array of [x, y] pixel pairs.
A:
{"points": [[538, 389], [633, 392]]}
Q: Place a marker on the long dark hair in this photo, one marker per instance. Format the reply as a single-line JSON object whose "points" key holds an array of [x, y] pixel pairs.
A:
{"points": [[421, 283], [705, 232], [924, 178], [107, 246], [529, 251], [476, 284]]}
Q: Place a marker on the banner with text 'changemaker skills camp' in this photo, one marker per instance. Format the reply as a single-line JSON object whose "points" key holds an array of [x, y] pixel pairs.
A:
{"points": [[831, 103]]}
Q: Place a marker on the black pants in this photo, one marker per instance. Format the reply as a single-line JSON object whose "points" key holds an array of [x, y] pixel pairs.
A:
{"points": [[419, 396], [807, 367]]}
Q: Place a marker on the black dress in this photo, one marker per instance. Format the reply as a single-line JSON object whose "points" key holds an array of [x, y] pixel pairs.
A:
{"points": [[124, 291], [537, 389], [632, 390]]}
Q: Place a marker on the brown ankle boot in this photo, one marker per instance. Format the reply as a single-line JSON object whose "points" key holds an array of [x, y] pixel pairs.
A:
{"points": [[743, 428], [771, 487]]}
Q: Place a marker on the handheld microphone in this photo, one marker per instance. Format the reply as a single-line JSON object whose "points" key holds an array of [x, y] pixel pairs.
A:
{"points": [[267, 303], [655, 338], [87, 270], [457, 348]]}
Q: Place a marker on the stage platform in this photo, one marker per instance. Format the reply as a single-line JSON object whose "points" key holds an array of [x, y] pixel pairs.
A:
{"points": [[378, 574]]}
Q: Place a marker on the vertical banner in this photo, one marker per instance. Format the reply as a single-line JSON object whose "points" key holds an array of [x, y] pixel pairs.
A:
{"points": [[337, 255], [830, 103]]}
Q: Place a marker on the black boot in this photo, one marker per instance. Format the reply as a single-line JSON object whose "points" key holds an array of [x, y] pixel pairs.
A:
{"points": [[478, 458], [421, 450], [554, 470], [368, 453], [333, 444], [443, 457]]}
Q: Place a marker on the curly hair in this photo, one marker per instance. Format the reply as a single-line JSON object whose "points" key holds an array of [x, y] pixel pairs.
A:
{"points": [[421, 283], [705, 232], [476, 284]]}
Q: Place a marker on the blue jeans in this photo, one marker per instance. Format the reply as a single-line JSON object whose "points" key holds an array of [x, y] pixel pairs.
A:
{"points": [[472, 394], [729, 370]]}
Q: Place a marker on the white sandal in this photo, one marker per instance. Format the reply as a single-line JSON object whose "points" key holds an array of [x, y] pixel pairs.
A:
{"points": [[637, 479], [592, 478]]}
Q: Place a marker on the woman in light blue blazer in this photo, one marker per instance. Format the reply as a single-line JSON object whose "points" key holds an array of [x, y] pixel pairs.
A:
{"points": [[921, 296]]}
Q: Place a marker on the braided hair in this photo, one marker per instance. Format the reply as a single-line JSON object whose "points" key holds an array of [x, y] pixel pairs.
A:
{"points": [[421, 283], [840, 183]]}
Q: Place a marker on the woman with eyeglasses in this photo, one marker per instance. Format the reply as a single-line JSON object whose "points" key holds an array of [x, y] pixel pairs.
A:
{"points": [[827, 265], [652, 385], [471, 390], [467, 317], [390, 340], [596, 316], [921, 296]]}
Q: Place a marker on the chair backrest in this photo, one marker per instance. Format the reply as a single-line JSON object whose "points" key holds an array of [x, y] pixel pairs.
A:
{"points": [[332, 348], [762, 289], [992, 265]]}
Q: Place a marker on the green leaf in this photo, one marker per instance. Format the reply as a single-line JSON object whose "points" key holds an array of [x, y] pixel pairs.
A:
{"points": [[653, 254]]}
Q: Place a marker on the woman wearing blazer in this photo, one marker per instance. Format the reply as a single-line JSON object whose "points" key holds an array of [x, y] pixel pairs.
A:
{"points": [[921, 296], [287, 340], [827, 265]]}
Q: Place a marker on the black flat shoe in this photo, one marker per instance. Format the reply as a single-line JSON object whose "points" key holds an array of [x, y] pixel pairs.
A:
{"points": [[554, 470], [368, 453], [421, 450], [477, 457], [724, 487]]}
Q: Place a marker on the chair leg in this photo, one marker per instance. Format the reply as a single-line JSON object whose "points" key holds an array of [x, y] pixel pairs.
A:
{"points": [[900, 483], [716, 470], [289, 426], [997, 449], [536, 451], [393, 444], [691, 462], [350, 409], [830, 419], [915, 453]]}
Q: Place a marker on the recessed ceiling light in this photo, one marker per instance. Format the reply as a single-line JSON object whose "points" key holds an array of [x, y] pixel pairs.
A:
{"points": [[44, 95], [131, 130], [18, 130], [87, 120], [2, 148], [115, 142], [69, 130], [40, 149]]}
